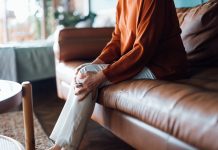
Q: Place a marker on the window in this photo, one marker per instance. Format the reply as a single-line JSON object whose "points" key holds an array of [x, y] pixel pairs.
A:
{"points": [[25, 20]]}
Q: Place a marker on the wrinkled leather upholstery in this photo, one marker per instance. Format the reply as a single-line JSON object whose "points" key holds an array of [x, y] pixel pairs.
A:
{"points": [[186, 112], [135, 132], [154, 114], [199, 33]]}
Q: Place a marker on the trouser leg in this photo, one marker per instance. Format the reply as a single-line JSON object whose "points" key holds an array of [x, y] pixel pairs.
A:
{"points": [[73, 119]]}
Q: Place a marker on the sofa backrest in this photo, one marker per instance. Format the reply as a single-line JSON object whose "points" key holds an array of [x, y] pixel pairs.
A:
{"points": [[200, 33], [81, 43]]}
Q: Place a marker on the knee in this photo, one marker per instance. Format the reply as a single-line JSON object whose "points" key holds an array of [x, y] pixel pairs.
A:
{"points": [[87, 68], [92, 68]]}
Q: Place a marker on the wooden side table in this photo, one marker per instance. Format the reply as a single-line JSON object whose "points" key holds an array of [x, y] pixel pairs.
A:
{"points": [[11, 95]]}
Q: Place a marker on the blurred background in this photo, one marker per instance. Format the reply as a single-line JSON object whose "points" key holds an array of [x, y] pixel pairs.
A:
{"points": [[28, 20]]}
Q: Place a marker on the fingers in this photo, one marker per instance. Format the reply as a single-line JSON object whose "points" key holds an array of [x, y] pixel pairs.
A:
{"points": [[78, 78], [81, 93], [78, 85], [83, 78], [80, 90], [77, 71], [83, 82], [82, 75]]}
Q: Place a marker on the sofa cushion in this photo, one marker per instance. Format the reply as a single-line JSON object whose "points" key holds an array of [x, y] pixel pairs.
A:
{"points": [[186, 112], [200, 33], [181, 13]]}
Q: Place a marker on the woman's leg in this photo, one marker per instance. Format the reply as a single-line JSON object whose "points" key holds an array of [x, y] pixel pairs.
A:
{"points": [[73, 119]]}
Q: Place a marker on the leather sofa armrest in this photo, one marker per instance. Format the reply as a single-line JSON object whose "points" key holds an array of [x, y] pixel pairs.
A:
{"points": [[81, 43]]}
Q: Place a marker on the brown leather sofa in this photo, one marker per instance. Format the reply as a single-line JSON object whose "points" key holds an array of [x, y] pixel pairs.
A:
{"points": [[154, 114]]}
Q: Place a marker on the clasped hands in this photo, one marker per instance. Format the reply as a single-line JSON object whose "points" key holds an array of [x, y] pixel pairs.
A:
{"points": [[84, 83]]}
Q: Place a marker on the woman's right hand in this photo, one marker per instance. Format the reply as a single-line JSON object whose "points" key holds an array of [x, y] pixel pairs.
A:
{"points": [[96, 61], [76, 73], [89, 81]]}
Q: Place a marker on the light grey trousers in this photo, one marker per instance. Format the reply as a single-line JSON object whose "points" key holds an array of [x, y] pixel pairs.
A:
{"points": [[71, 124]]}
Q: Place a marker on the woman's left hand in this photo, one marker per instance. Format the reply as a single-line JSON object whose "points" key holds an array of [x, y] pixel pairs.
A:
{"points": [[90, 82]]}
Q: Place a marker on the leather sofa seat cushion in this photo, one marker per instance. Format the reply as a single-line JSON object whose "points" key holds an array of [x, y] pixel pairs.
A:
{"points": [[200, 33], [186, 112], [206, 78]]}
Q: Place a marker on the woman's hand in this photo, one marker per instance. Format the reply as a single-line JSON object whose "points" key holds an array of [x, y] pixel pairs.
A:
{"points": [[89, 83], [96, 61], [77, 71]]}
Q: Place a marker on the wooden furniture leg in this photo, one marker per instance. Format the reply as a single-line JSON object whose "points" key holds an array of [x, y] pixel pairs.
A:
{"points": [[28, 116]]}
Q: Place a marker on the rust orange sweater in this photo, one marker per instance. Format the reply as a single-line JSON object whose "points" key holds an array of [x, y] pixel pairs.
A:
{"points": [[147, 33]]}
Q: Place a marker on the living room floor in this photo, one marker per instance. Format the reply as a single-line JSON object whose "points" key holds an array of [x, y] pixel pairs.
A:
{"points": [[47, 107]]}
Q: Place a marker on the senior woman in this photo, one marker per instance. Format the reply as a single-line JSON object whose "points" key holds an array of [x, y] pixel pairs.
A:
{"points": [[145, 44]]}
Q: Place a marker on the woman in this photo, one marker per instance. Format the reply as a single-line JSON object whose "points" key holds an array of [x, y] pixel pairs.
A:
{"points": [[145, 44]]}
